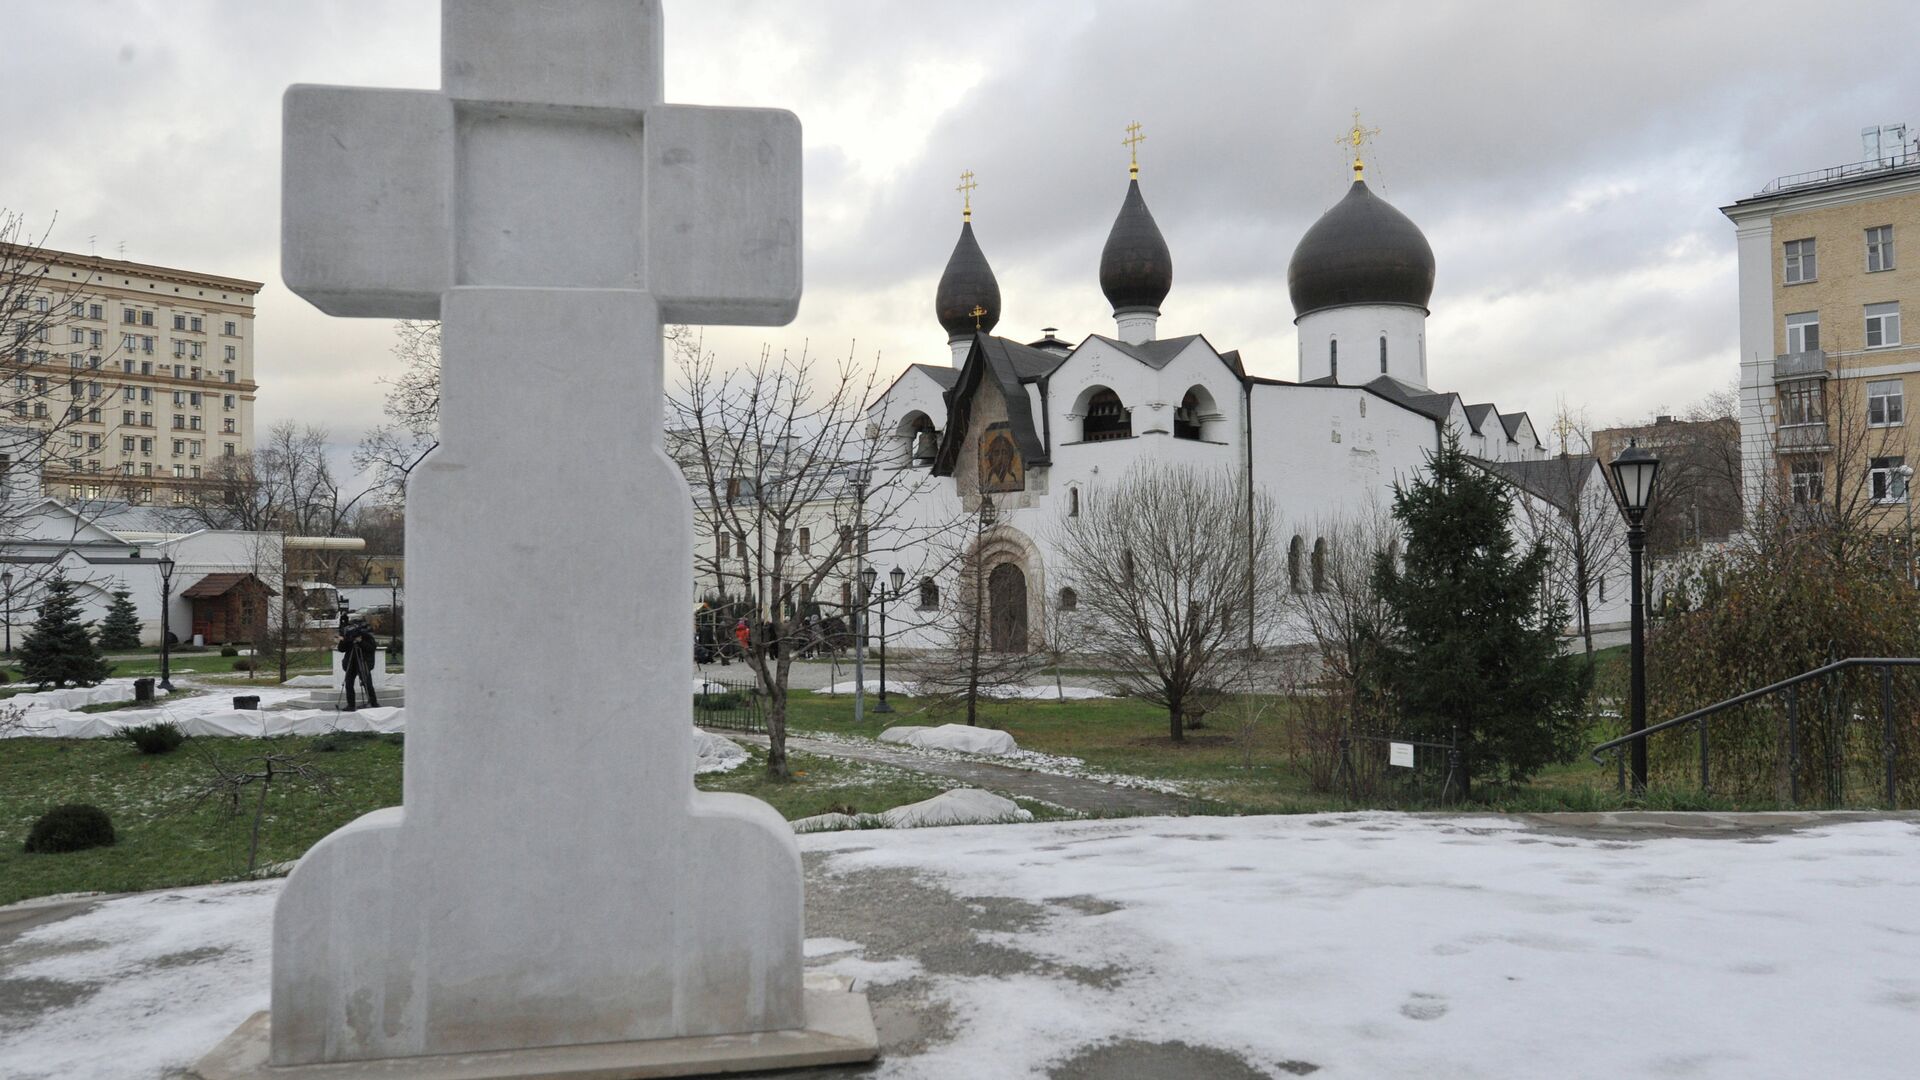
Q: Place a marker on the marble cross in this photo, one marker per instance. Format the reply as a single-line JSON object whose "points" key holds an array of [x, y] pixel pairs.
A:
{"points": [[552, 878]]}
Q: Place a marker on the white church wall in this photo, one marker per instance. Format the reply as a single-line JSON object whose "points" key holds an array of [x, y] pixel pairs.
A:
{"points": [[1358, 328], [1324, 452]]}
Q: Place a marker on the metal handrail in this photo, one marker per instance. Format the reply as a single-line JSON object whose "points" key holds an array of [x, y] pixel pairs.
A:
{"points": [[1700, 714]]}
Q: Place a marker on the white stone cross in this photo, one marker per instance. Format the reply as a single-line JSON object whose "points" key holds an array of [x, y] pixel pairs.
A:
{"points": [[553, 879]]}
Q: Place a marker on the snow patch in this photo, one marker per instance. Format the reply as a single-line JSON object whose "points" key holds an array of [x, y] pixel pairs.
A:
{"points": [[1011, 693], [961, 806], [961, 738]]}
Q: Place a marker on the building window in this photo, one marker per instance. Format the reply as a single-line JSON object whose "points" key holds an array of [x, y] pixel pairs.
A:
{"points": [[1879, 248], [1800, 265], [1320, 565], [1886, 403], [95, 311], [1296, 556], [1106, 418], [1883, 325], [230, 356], [196, 324], [229, 331], [1383, 354], [739, 545], [226, 425], [127, 316], [1803, 331], [179, 322], [1809, 482], [1802, 402], [146, 319], [1883, 477], [929, 594], [1333, 358], [1069, 600], [1073, 502]]}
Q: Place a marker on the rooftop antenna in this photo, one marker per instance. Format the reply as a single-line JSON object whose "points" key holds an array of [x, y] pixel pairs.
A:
{"points": [[93, 243], [122, 248]]}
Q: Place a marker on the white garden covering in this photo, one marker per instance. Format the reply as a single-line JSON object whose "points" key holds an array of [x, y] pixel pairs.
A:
{"points": [[961, 738], [961, 806], [1044, 692]]}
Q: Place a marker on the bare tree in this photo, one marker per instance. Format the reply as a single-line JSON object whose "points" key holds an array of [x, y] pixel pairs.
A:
{"points": [[790, 479], [391, 451], [1332, 595], [228, 782], [1570, 507], [1165, 563], [971, 665]]}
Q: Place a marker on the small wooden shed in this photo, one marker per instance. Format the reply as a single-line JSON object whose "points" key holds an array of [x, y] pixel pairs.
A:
{"points": [[228, 607]]}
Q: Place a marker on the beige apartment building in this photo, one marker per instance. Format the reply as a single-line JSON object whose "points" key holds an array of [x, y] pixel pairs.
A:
{"points": [[125, 380], [1829, 265]]}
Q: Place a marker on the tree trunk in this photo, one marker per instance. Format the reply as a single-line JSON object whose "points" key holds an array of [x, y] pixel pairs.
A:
{"points": [[777, 768], [1176, 723]]}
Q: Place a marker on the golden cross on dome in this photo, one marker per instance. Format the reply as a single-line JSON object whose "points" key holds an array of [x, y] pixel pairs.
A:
{"points": [[966, 192], [1355, 138], [1132, 143], [979, 312]]}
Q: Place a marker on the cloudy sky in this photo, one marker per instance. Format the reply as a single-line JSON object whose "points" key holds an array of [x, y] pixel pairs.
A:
{"points": [[1566, 161]]}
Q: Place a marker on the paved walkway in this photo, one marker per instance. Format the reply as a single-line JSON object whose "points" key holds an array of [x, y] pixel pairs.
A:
{"points": [[1072, 792]]}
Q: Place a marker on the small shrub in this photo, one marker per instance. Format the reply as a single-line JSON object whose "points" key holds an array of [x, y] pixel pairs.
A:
{"points": [[162, 737], [246, 663], [229, 650], [72, 827], [335, 741], [4, 677]]}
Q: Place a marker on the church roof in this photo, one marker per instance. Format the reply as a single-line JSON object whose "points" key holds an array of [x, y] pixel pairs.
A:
{"points": [[1136, 269], [1477, 415], [967, 283], [1557, 480], [1437, 406], [1008, 364], [1157, 353], [1512, 421], [945, 376], [1362, 251]]}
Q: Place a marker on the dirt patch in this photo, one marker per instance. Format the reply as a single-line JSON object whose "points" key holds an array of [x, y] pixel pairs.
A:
{"points": [[1191, 742], [1133, 1059]]}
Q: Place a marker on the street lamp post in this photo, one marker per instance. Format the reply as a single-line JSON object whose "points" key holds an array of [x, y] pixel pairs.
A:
{"points": [[1633, 473], [897, 577], [862, 574], [166, 629], [6, 579]]}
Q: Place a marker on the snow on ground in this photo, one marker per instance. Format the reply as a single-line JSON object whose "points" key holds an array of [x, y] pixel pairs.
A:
{"points": [[1023, 693], [1365, 945], [1030, 760], [960, 738]]}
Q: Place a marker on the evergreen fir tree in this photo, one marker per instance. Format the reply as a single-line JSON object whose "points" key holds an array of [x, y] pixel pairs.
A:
{"points": [[60, 649], [121, 628], [1473, 636]]}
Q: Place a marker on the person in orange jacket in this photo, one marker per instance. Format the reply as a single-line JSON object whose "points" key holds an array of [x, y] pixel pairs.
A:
{"points": [[742, 634]]}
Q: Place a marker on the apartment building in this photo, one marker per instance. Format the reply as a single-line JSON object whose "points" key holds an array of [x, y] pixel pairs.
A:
{"points": [[1829, 262], [125, 380]]}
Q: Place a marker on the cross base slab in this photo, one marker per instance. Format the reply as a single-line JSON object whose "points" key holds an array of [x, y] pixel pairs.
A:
{"points": [[839, 1031]]}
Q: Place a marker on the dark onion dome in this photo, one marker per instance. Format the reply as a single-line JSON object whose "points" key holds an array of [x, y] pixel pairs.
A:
{"points": [[1362, 251], [968, 283], [1136, 270]]}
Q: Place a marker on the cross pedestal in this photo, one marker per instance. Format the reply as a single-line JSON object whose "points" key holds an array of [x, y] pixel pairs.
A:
{"points": [[553, 898]]}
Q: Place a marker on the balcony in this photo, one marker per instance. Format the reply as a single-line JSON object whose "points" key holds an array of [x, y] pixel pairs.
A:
{"points": [[1803, 438], [1801, 365]]}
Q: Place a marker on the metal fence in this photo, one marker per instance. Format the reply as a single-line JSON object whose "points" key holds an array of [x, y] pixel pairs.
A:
{"points": [[1402, 769], [732, 704], [1843, 735]]}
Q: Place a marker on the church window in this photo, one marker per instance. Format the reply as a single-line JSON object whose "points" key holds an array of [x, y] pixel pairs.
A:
{"points": [[740, 545], [922, 441], [719, 539], [1320, 565], [1106, 418], [1126, 568], [1069, 600], [1383, 354], [1333, 358], [806, 541], [929, 594], [1073, 502], [1186, 419], [1603, 589], [846, 595], [1296, 554]]}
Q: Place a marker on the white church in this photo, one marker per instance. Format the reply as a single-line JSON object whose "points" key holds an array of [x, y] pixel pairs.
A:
{"points": [[1034, 426]]}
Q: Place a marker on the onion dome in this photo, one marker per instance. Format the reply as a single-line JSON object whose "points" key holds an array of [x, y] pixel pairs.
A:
{"points": [[1362, 251], [1136, 270], [967, 285]]}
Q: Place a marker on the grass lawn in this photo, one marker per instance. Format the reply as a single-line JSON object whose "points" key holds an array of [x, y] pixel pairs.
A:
{"points": [[1130, 737], [164, 840]]}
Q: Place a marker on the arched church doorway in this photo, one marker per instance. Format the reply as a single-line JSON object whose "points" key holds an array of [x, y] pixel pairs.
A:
{"points": [[1007, 609]]}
